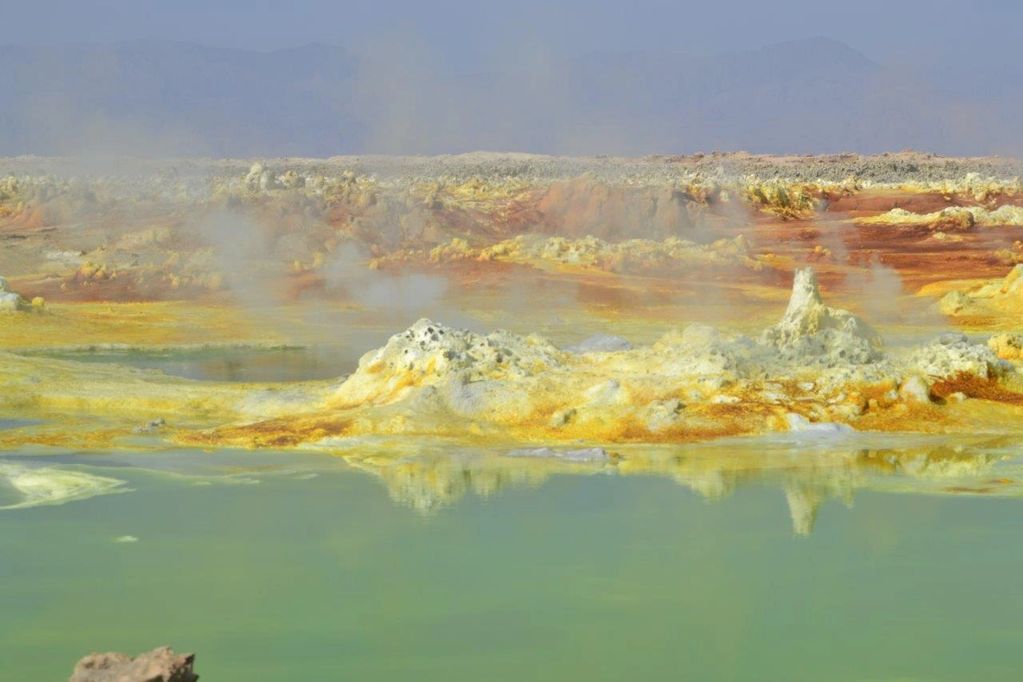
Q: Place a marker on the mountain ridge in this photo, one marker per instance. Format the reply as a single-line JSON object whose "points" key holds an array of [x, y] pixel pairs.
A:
{"points": [[158, 97]]}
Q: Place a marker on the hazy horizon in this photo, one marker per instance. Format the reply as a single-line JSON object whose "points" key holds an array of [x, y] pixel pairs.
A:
{"points": [[906, 32], [323, 79]]}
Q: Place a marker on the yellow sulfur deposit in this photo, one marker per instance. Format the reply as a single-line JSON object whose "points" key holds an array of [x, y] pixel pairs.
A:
{"points": [[997, 298], [631, 255], [819, 370], [687, 239], [953, 218]]}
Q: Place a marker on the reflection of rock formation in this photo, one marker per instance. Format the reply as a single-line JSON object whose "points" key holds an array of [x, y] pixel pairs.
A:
{"points": [[944, 463], [803, 501], [806, 493], [713, 485], [428, 482]]}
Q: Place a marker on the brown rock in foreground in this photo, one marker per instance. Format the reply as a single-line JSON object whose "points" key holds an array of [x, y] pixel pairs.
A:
{"points": [[158, 665]]}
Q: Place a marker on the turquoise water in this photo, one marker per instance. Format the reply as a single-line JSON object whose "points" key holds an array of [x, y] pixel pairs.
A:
{"points": [[300, 567]]}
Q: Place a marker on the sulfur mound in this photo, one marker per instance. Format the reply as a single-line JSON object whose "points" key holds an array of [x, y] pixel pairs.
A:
{"points": [[952, 355], [953, 218], [428, 353], [997, 297], [819, 370], [592, 253], [813, 331], [1007, 346], [627, 255]]}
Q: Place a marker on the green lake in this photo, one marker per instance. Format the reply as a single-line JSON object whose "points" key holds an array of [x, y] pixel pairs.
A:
{"points": [[292, 566]]}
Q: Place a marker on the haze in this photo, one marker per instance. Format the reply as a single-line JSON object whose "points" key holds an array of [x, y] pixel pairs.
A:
{"points": [[322, 78]]}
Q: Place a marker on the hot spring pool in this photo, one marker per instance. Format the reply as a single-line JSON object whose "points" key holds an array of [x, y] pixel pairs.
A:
{"points": [[284, 566]]}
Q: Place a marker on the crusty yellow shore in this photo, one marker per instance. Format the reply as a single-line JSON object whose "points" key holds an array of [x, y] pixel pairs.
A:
{"points": [[819, 370]]}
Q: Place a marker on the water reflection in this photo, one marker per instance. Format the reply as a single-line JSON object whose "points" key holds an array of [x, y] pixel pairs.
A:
{"points": [[428, 476], [428, 481]]}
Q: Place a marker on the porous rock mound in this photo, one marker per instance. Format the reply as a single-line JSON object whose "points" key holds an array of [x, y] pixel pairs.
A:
{"points": [[813, 331], [816, 370], [953, 354], [428, 353], [158, 665]]}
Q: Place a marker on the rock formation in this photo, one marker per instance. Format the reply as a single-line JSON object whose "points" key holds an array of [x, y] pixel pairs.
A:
{"points": [[158, 665], [592, 253], [820, 371], [995, 298], [953, 354], [1007, 346], [811, 330], [952, 218], [428, 354]]}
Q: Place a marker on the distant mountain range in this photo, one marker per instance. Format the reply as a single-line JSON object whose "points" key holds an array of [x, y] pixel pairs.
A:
{"points": [[807, 96]]}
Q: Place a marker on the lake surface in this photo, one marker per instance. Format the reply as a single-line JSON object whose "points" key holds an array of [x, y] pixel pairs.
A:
{"points": [[285, 566], [241, 364]]}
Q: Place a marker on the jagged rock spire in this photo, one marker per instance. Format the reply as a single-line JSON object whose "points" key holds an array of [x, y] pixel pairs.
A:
{"points": [[815, 329], [806, 294]]}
